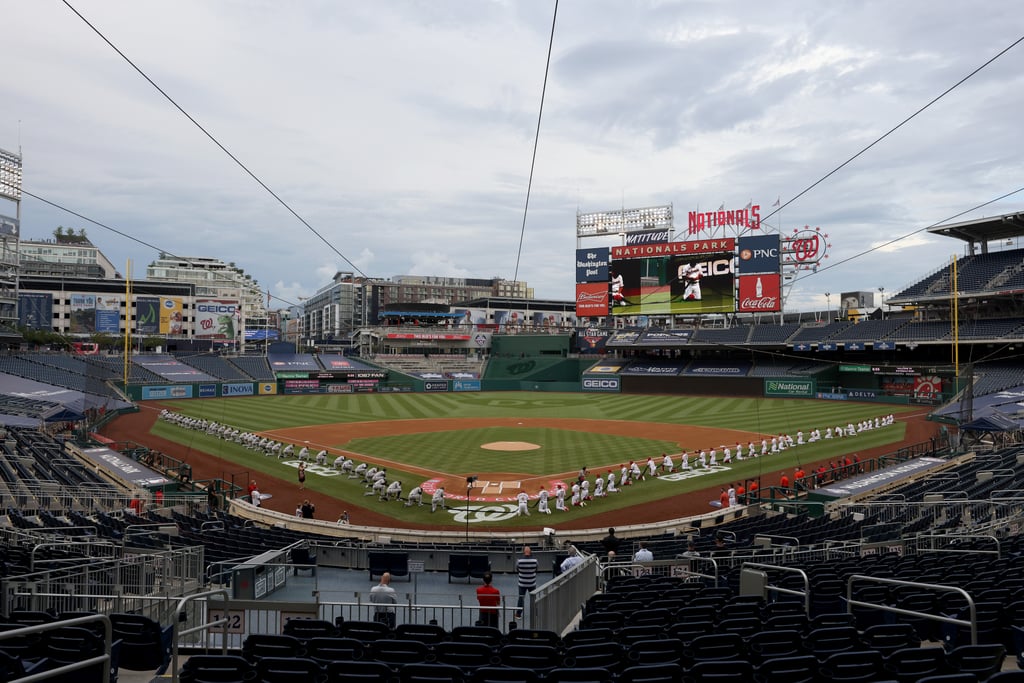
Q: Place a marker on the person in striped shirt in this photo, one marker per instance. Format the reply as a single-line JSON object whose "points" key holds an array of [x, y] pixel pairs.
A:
{"points": [[526, 569]]}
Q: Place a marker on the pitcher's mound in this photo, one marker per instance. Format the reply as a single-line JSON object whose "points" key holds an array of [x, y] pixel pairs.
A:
{"points": [[510, 446]]}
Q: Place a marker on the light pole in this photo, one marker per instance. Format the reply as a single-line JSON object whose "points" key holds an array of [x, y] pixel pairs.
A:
{"points": [[881, 295], [828, 307]]}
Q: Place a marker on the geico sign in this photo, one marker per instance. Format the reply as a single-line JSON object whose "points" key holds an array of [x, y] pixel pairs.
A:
{"points": [[215, 308], [590, 383]]}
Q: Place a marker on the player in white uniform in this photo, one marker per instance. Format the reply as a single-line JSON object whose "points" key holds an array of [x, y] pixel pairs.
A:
{"points": [[523, 500], [437, 500], [321, 457], [666, 463], [611, 482], [560, 498], [415, 497], [599, 487], [542, 501], [394, 491], [691, 275]]}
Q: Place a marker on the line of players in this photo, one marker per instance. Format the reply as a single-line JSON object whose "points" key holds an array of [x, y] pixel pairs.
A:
{"points": [[628, 474]]}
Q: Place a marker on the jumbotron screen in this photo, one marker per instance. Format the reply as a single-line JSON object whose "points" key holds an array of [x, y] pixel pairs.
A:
{"points": [[688, 284]]}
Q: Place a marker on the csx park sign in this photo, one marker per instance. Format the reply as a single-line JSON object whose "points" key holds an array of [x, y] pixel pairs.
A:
{"points": [[600, 384], [797, 388]]}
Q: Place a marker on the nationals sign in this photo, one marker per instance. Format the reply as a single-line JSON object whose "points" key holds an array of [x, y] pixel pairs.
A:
{"points": [[759, 293]]}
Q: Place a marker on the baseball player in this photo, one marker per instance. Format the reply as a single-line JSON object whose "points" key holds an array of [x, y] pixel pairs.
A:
{"points": [[666, 463], [394, 491], [599, 487], [691, 275], [618, 297], [359, 471], [624, 475], [560, 498], [437, 500], [415, 497], [611, 482], [304, 453], [523, 499], [321, 457], [685, 464], [288, 451], [542, 501]]}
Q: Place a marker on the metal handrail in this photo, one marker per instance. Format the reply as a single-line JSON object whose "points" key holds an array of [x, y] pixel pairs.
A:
{"points": [[806, 592], [972, 623], [180, 615], [76, 666]]}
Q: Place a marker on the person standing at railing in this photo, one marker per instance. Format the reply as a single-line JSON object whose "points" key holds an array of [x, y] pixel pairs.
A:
{"points": [[384, 599], [489, 598], [526, 570]]}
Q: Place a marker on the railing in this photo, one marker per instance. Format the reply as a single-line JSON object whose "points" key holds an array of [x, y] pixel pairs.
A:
{"points": [[971, 623], [805, 593], [76, 666]]}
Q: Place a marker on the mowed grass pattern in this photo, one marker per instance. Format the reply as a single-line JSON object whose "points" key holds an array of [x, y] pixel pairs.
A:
{"points": [[458, 453], [561, 450], [771, 416]]}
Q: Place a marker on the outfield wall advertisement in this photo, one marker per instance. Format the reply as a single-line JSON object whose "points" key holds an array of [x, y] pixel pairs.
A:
{"points": [[216, 319], [791, 388]]}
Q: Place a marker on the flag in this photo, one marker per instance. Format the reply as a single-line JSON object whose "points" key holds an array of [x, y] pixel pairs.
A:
{"points": [[268, 298], [749, 204], [722, 207], [777, 202]]}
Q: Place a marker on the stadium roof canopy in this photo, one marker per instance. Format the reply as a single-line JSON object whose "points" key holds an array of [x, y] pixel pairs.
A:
{"points": [[984, 230]]}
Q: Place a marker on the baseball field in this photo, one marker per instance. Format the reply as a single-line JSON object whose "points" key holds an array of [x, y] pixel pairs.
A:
{"points": [[512, 442]]}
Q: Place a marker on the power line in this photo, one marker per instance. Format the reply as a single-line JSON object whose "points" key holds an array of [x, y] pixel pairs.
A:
{"points": [[895, 128], [536, 140], [909, 234], [214, 140]]}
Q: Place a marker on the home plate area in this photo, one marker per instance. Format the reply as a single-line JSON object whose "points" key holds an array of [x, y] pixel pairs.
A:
{"points": [[489, 488]]}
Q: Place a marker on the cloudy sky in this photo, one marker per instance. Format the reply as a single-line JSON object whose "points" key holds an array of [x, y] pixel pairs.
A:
{"points": [[402, 130]]}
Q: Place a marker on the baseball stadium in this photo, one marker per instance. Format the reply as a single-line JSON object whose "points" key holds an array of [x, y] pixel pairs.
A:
{"points": [[769, 496]]}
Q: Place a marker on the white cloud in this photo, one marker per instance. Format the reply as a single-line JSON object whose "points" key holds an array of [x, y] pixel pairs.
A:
{"points": [[403, 131]]}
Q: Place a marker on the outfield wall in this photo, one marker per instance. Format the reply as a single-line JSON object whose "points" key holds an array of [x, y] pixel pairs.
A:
{"points": [[700, 385]]}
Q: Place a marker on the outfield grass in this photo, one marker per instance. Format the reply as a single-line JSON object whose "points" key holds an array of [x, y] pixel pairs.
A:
{"points": [[459, 453]]}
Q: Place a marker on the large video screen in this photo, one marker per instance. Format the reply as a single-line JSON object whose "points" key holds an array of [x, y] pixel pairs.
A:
{"points": [[689, 284]]}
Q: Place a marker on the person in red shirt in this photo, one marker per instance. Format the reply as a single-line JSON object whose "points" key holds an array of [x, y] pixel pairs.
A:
{"points": [[784, 482], [752, 489], [740, 492], [724, 498], [489, 597], [798, 475]]}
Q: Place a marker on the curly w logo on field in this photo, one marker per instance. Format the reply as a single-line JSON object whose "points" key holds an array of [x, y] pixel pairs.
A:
{"points": [[472, 514]]}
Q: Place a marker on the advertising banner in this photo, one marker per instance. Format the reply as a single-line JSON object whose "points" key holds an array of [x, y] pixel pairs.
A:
{"points": [[466, 385], [83, 314], [647, 237], [108, 314], [675, 285], [598, 383], [591, 339], [798, 388], [237, 389], [470, 316], [435, 386], [171, 316], [207, 390], [35, 310], [147, 315], [217, 319], [759, 254], [759, 293], [150, 393], [267, 388], [592, 300], [592, 265]]}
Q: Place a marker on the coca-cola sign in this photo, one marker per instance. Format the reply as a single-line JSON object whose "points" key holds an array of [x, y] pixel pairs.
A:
{"points": [[759, 293]]}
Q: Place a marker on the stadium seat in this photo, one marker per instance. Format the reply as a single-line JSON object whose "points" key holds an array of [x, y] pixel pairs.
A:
{"points": [[363, 631], [529, 636], [852, 666], [488, 635], [306, 629], [323, 650], [358, 672], [588, 636], [539, 658], [468, 656], [257, 646], [216, 669], [982, 660], [396, 653], [799, 669], [771, 644], [887, 638], [607, 655], [144, 644], [425, 633], [430, 673], [288, 670], [504, 674], [579, 675], [657, 673], [911, 664], [725, 670]]}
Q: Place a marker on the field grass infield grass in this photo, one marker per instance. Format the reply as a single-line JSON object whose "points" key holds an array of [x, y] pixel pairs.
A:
{"points": [[457, 452]]}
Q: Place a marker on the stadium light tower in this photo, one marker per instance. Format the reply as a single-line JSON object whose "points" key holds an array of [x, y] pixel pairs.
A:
{"points": [[828, 307], [881, 296], [10, 231]]}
